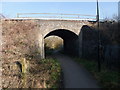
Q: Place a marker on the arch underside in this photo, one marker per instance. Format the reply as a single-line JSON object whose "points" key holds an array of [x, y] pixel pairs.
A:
{"points": [[70, 40]]}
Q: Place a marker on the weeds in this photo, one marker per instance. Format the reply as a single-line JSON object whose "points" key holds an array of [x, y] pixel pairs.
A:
{"points": [[20, 39], [107, 78], [55, 72]]}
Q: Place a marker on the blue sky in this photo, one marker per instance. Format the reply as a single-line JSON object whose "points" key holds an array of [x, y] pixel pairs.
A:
{"points": [[107, 9]]}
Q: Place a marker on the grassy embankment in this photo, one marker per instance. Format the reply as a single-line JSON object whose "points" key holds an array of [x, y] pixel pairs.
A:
{"points": [[45, 73], [54, 67], [54, 70], [106, 78], [22, 66]]}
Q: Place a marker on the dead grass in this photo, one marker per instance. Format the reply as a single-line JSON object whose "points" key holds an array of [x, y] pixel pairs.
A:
{"points": [[19, 41], [110, 33]]}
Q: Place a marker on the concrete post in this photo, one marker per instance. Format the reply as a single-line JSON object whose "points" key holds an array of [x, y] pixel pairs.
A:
{"points": [[43, 49], [41, 46]]}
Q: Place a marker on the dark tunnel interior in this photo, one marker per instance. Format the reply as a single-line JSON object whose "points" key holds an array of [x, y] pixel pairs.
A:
{"points": [[70, 40], [64, 34]]}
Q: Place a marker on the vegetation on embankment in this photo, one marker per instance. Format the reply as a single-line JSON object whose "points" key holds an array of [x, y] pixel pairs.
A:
{"points": [[106, 78], [47, 72], [55, 73], [22, 66], [31, 72], [109, 32]]}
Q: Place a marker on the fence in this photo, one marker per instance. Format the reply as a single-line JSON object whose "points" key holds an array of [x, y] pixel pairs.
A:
{"points": [[56, 16]]}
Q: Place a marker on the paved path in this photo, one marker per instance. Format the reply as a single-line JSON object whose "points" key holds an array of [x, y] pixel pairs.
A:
{"points": [[75, 76]]}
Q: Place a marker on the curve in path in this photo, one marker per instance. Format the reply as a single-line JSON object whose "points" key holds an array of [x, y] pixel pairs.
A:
{"points": [[75, 76]]}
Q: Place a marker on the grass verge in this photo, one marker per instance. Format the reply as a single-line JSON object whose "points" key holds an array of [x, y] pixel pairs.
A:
{"points": [[44, 73], [106, 78], [54, 72]]}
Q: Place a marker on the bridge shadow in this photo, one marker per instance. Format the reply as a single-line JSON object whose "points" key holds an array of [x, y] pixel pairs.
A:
{"points": [[88, 37], [70, 41]]}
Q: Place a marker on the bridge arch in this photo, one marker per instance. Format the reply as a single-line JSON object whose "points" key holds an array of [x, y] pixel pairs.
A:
{"points": [[70, 40], [63, 33], [51, 27]]}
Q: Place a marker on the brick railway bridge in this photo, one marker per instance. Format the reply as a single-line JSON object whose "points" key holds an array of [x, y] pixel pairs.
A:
{"points": [[70, 30]]}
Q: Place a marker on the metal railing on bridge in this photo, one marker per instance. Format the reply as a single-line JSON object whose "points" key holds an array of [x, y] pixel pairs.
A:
{"points": [[56, 16]]}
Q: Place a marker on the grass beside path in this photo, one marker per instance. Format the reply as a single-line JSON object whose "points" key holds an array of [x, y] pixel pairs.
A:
{"points": [[55, 71], [44, 73], [106, 78]]}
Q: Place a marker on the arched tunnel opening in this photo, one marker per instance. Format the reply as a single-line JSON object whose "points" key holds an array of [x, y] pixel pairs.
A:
{"points": [[69, 41], [53, 44]]}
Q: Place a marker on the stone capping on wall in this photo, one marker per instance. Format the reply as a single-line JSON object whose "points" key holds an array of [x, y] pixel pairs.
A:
{"points": [[22, 19]]}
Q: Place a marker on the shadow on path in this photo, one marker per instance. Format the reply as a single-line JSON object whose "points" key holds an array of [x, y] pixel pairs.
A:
{"points": [[75, 76]]}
